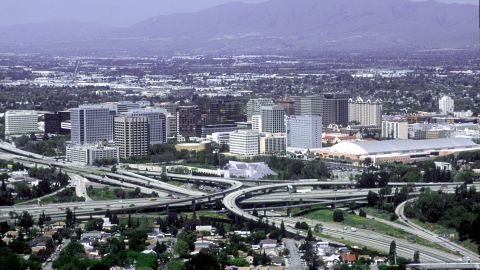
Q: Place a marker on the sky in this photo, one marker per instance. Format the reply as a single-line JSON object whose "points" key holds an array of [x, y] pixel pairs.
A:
{"points": [[108, 12]]}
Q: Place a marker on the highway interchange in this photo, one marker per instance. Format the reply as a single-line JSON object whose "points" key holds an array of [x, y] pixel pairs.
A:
{"points": [[238, 197]]}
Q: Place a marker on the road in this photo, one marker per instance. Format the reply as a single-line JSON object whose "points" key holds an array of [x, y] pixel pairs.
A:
{"points": [[80, 188], [294, 259], [419, 230], [363, 237], [48, 265]]}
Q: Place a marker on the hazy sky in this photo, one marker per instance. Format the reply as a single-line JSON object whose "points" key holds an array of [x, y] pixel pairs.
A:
{"points": [[109, 12]]}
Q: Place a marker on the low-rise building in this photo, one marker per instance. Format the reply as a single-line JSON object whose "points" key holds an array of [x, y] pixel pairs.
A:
{"points": [[90, 154]]}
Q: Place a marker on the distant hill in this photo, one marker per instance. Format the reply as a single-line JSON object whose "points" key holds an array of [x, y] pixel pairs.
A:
{"points": [[272, 26]]}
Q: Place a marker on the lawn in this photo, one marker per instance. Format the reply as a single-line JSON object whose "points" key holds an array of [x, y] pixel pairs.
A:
{"points": [[64, 196], [378, 213], [108, 193]]}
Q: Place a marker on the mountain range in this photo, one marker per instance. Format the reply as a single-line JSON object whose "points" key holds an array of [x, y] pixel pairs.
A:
{"points": [[268, 27]]}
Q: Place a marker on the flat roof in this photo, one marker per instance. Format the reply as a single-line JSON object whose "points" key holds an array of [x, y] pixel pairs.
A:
{"points": [[399, 146]]}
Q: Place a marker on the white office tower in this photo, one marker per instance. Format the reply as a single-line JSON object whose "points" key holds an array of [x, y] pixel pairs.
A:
{"points": [[257, 122], [91, 154], [309, 105], [244, 142], [156, 121], [132, 136], [303, 132], [254, 106], [273, 119], [446, 105], [395, 129], [91, 124], [365, 113], [19, 123]]}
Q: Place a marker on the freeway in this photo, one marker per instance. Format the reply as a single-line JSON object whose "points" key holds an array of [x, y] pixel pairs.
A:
{"points": [[374, 240], [419, 230], [232, 200]]}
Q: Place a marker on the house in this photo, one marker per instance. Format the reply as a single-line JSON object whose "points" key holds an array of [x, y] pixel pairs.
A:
{"points": [[348, 258], [276, 260], [268, 243], [207, 229], [199, 244], [92, 236], [243, 234], [380, 260]]}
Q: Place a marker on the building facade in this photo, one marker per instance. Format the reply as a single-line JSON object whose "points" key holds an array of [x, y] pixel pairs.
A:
{"points": [[91, 124], [90, 154], [272, 143], [309, 105], [446, 105], [188, 121], [156, 122], [244, 142], [19, 123], [365, 113], [304, 132], [273, 119], [254, 106], [392, 129], [132, 136], [335, 108], [53, 122]]}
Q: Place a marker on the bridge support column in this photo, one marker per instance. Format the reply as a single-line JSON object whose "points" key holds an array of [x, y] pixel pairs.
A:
{"points": [[289, 212], [194, 208], [167, 209], [264, 210]]}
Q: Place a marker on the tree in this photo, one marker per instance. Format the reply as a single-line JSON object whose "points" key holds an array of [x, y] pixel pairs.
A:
{"points": [[26, 220], [338, 216], [182, 248], [362, 213], [416, 257], [283, 231], [372, 198], [392, 253], [114, 169]]}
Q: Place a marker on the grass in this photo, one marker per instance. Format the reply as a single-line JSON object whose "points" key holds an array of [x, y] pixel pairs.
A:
{"points": [[352, 220], [64, 196], [378, 213], [107, 193], [209, 214]]}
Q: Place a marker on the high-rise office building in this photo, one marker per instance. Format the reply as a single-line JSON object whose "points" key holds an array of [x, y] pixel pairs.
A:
{"points": [[365, 113], [171, 107], [156, 121], [288, 103], [254, 106], [446, 105], [335, 108], [19, 123], [188, 121], [244, 142], [309, 105], [273, 118], [132, 136], [303, 132], [91, 124], [53, 122]]}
